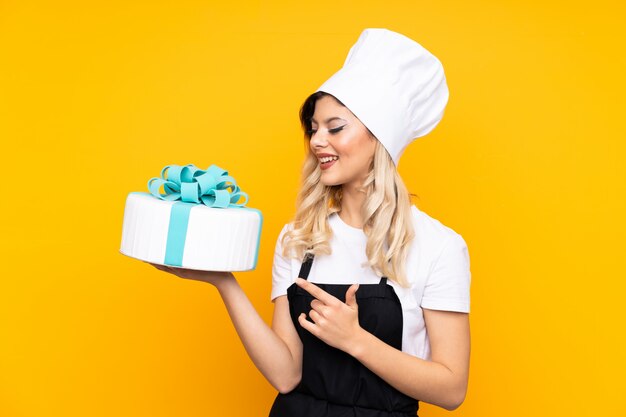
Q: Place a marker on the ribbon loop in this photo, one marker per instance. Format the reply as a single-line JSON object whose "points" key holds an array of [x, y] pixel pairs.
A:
{"points": [[212, 187]]}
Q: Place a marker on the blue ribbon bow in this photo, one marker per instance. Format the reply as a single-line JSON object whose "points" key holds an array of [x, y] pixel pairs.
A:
{"points": [[213, 187]]}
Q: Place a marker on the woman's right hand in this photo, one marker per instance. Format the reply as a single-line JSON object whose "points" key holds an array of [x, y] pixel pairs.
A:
{"points": [[212, 277]]}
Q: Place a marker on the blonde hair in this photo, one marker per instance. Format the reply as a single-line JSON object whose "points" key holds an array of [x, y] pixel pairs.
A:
{"points": [[386, 213]]}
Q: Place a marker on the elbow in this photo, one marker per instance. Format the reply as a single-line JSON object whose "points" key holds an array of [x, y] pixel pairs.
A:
{"points": [[452, 406], [287, 385], [455, 400], [286, 389], [287, 377]]}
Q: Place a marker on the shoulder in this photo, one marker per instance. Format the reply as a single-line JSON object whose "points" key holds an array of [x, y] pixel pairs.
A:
{"points": [[431, 232], [286, 227], [281, 240], [435, 243]]}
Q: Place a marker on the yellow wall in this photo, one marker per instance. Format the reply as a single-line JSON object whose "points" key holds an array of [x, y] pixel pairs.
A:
{"points": [[527, 164]]}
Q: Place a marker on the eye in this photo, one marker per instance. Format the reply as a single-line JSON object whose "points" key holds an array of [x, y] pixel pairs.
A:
{"points": [[335, 130], [311, 132]]}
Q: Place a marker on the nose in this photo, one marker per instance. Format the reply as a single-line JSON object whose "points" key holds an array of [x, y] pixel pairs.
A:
{"points": [[319, 139]]}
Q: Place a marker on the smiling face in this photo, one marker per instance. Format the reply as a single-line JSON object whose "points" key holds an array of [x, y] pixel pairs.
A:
{"points": [[342, 143]]}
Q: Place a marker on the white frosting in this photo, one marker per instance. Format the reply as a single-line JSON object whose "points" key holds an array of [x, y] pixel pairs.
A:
{"points": [[218, 239]]}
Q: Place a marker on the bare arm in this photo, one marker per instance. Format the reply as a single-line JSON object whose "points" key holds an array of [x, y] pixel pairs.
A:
{"points": [[276, 351], [442, 381]]}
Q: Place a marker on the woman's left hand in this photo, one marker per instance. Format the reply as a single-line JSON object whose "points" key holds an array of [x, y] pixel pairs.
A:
{"points": [[335, 322]]}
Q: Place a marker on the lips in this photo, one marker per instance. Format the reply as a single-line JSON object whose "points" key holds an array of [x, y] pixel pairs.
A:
{"points": [[326, 165]]}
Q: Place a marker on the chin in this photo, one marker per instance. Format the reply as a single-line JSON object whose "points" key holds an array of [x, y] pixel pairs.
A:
{"points": [[329, 181]]}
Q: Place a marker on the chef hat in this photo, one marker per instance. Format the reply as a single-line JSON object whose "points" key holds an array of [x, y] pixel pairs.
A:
{"points": [[393, 85]]}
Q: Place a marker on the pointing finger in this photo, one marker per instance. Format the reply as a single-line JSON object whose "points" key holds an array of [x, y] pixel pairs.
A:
{"points": [[317, 292]]}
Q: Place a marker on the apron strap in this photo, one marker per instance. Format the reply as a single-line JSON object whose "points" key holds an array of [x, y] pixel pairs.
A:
{"points": [[306, 266]]}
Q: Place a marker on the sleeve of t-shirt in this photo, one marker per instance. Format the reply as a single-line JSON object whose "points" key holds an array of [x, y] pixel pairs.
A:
{"points": [[448, 285], [281, 269]]}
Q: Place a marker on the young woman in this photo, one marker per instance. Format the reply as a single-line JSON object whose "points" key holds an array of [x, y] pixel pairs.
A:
{"points": [[380, 320]]}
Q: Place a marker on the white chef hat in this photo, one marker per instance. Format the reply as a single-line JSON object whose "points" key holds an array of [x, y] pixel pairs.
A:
{"points": [[393, 85]]}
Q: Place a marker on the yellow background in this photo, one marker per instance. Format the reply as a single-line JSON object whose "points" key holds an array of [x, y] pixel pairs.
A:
{"points": [[527, 165]]}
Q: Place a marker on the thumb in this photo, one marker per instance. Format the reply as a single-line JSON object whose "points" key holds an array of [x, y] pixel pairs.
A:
{"points": [[351, 295]]}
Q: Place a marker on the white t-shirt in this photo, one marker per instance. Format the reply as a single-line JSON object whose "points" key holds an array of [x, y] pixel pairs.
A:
{"points": [[438, 270]]}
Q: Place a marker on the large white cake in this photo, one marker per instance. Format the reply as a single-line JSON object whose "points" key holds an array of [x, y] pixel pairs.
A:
{"points": [[199, 222], [190, 235]]}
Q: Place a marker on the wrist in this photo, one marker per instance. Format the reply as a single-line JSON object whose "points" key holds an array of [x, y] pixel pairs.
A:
{"points": [[359, 344], [226, 282]]}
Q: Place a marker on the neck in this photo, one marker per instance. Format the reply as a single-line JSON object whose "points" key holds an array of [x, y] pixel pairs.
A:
{"points": [[352, 201]]}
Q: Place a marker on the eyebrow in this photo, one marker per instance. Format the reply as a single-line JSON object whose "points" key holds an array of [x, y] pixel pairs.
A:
{"points": [[329, 119]]}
